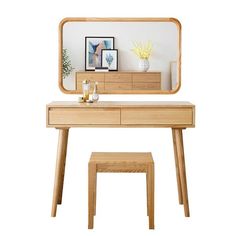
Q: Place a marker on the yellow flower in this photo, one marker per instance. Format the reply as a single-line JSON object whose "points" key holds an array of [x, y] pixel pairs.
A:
{"points": [[143, 51]]}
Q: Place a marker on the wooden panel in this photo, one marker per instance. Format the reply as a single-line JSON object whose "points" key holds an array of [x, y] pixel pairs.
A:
{"points": [[134, 114], [118, 77], [124, 157], [164, 116], [70, 116], [92, 76], [125, 104], [146, 86], [118, 86], [147, 77], [121, 82], [100, 87]]}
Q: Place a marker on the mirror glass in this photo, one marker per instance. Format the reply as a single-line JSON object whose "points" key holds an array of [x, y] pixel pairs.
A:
{"points": [[123, 55]]}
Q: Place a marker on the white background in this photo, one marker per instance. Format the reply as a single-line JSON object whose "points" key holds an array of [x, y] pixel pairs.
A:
{"points": [[28, 62]]}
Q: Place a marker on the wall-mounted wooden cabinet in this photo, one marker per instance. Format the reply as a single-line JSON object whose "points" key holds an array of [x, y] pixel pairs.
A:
{"points": [[120, 82]]}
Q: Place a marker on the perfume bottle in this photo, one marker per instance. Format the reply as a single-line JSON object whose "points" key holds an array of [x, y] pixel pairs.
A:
{"points": [[95, 96], [86, 88]]}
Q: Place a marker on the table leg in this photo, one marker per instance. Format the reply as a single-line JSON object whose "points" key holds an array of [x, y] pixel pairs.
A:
{"points": [[182, 171], [177, 169], [60, 168], [62, 172]]}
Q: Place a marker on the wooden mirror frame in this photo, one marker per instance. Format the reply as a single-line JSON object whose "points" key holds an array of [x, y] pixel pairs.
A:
{"points": [[80, 19]]}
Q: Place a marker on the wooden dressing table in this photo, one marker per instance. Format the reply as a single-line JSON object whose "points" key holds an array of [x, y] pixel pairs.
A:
{"points": [[174, 115], [165, 34]]}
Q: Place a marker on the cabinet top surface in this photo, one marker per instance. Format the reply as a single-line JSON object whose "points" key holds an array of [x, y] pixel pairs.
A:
{"points": [[122, 104], [120, 72]]}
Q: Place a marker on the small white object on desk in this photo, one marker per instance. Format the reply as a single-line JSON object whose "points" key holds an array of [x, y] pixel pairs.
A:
{"points": [[95, 95]]}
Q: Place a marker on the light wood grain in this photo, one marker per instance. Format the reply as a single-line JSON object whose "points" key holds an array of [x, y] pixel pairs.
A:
{"points": [[92, 76], [121, 162], [62, 171], [148, 86], [115, 77], [58, 182], [62, 109], [100, 87], [118, 86], [150, 180], [177, 168], [121, 157], [137, 104], [119, 19], [120, 114], [156, 116], [147, 194], [147, 77], [121, 82], [91, 196], [182, 170], [72, 116]]}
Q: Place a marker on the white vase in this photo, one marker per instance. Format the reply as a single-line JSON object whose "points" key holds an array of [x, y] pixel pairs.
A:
{"points": [[143, 65], [95, 95]]}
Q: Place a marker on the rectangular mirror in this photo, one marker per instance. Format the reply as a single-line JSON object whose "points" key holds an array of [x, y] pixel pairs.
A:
{"points": [[124, 55]]}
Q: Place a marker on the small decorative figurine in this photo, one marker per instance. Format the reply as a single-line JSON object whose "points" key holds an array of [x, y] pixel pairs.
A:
{"points": [[95, 96], [86, 88]]}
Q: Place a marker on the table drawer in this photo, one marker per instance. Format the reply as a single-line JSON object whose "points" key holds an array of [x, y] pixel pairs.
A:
{"points": [[157, 116], [83, 116]]}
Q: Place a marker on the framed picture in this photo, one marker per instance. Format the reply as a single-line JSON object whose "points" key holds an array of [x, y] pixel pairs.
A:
{"points": [[110, 59], [93, 50]]}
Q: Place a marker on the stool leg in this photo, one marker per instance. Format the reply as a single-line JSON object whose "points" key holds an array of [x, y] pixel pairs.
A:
{"points": [[150, 180], [91, 190], [147, 193], [177, 169], [181, 161], [61, 155], [95, 195]]}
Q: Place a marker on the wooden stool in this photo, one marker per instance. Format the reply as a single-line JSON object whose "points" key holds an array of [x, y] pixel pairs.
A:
{"points": [[120, 162]]}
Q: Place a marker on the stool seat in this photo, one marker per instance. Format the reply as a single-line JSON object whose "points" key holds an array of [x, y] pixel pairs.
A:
{"points": [[141, 162], [121, 161]]}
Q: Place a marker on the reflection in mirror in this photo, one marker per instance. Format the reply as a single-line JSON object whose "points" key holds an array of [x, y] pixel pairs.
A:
{"points": [[125, 56]]}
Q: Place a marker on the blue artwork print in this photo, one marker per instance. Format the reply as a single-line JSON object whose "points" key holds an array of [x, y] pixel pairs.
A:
{"points": [[95, 47], [109, 59]]}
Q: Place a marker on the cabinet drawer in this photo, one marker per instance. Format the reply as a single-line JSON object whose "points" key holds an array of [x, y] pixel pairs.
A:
{"points": [[157, 116], [118, 77], [147, 78], [118, 86], [100, 86], [95, 76], [147, 86], [83, 116]]}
